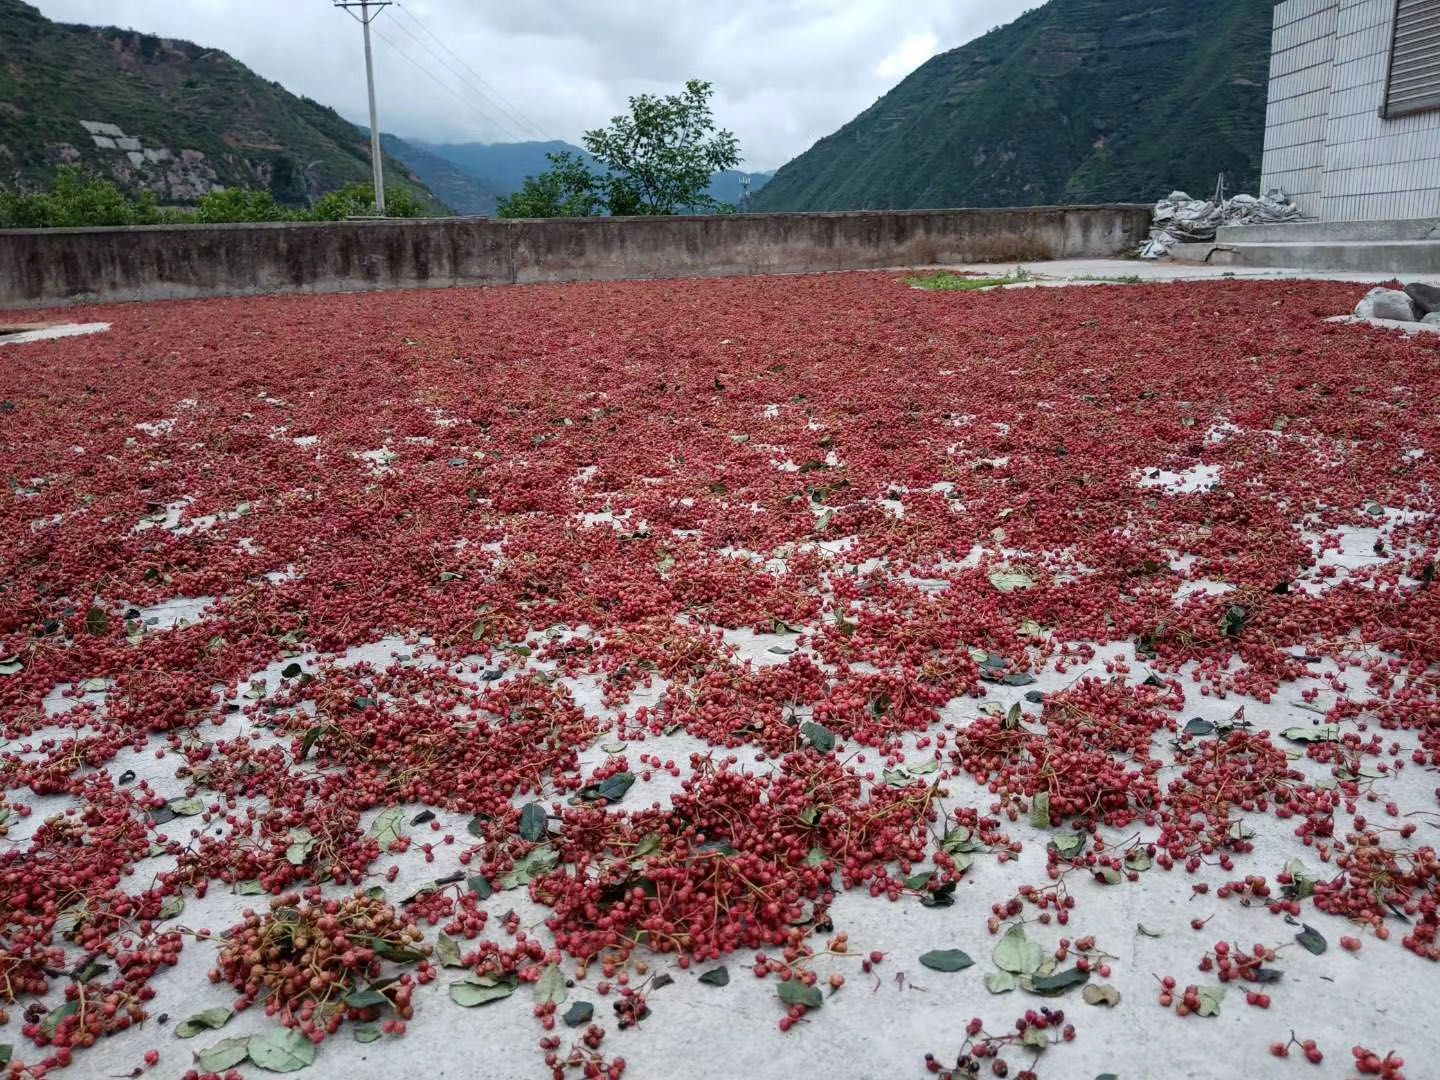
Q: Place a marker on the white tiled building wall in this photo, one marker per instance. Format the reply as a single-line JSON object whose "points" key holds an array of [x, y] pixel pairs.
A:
{"points": [[1302, 55], [1326, 144]]}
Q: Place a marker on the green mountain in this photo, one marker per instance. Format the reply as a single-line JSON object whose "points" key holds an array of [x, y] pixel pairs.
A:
{"points": [[457, 188], [166, 116], [503, 167], [1076, 101]]}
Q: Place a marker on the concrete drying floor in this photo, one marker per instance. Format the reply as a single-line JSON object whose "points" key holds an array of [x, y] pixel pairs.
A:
{"points": [[878, 1025]]}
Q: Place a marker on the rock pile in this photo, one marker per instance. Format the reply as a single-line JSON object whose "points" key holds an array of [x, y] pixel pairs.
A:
{"points": [[1418, 302]]}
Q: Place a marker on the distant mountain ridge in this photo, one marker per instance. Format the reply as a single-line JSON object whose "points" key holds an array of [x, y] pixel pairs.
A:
{"points": [[501, 168], [503, 165], [1075, 101], [459, 189], [166, 116]]}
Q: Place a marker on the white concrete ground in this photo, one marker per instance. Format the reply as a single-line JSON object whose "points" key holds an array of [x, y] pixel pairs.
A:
{"points": [[56, 330], [1109, 271], [1059, 273]]}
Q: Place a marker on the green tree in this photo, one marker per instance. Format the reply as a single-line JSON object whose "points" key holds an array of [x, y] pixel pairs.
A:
{"points": [[658, 159], [567, 189], [77, 199], [81, 198], [19, 211], [358, 200], [240, 204], [353, 200], [402, 203]]}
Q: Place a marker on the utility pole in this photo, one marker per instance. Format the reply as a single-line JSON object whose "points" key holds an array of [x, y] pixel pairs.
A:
{"points": [[365, 18]]}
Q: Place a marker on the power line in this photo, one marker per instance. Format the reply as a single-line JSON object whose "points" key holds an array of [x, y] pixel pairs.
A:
{"points": [[513, 112], [469, 103], [477, 106], [440, 83]]}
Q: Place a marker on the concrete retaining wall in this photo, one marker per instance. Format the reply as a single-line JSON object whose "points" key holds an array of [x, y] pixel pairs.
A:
{"points": [[42, 267]]}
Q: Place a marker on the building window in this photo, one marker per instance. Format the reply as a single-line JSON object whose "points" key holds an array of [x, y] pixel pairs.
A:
{"points": [[1414, 81]]}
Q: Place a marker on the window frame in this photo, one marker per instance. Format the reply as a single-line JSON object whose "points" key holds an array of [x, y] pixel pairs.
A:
{"points": [[1427, 104]]}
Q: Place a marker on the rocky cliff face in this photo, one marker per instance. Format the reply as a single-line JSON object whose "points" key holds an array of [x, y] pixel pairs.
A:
{"points": [[177, 176]]}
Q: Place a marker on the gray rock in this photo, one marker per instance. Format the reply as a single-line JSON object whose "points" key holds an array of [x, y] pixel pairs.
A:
{"points": [[1433, 319], [1387, 304], [1426, 297]]}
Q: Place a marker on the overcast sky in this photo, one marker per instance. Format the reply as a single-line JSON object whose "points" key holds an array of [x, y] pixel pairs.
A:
{"points": [[786, 72]]}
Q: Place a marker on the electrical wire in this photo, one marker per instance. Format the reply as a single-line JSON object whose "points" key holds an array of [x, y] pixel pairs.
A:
{"points": [[489, 120], [511, 111], [476, 102], [507, 128]]}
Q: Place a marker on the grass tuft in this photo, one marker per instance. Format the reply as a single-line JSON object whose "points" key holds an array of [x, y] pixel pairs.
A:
{"points": [[949, 281]]}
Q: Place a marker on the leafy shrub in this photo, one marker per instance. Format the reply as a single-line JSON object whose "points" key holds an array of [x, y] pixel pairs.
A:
{"points": [[81, 198], [240, 204], [78, 198], [358, 200]]}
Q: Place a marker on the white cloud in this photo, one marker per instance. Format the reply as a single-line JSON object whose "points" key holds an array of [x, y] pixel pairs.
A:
{"points": [[786, 72], [910, 54]]}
